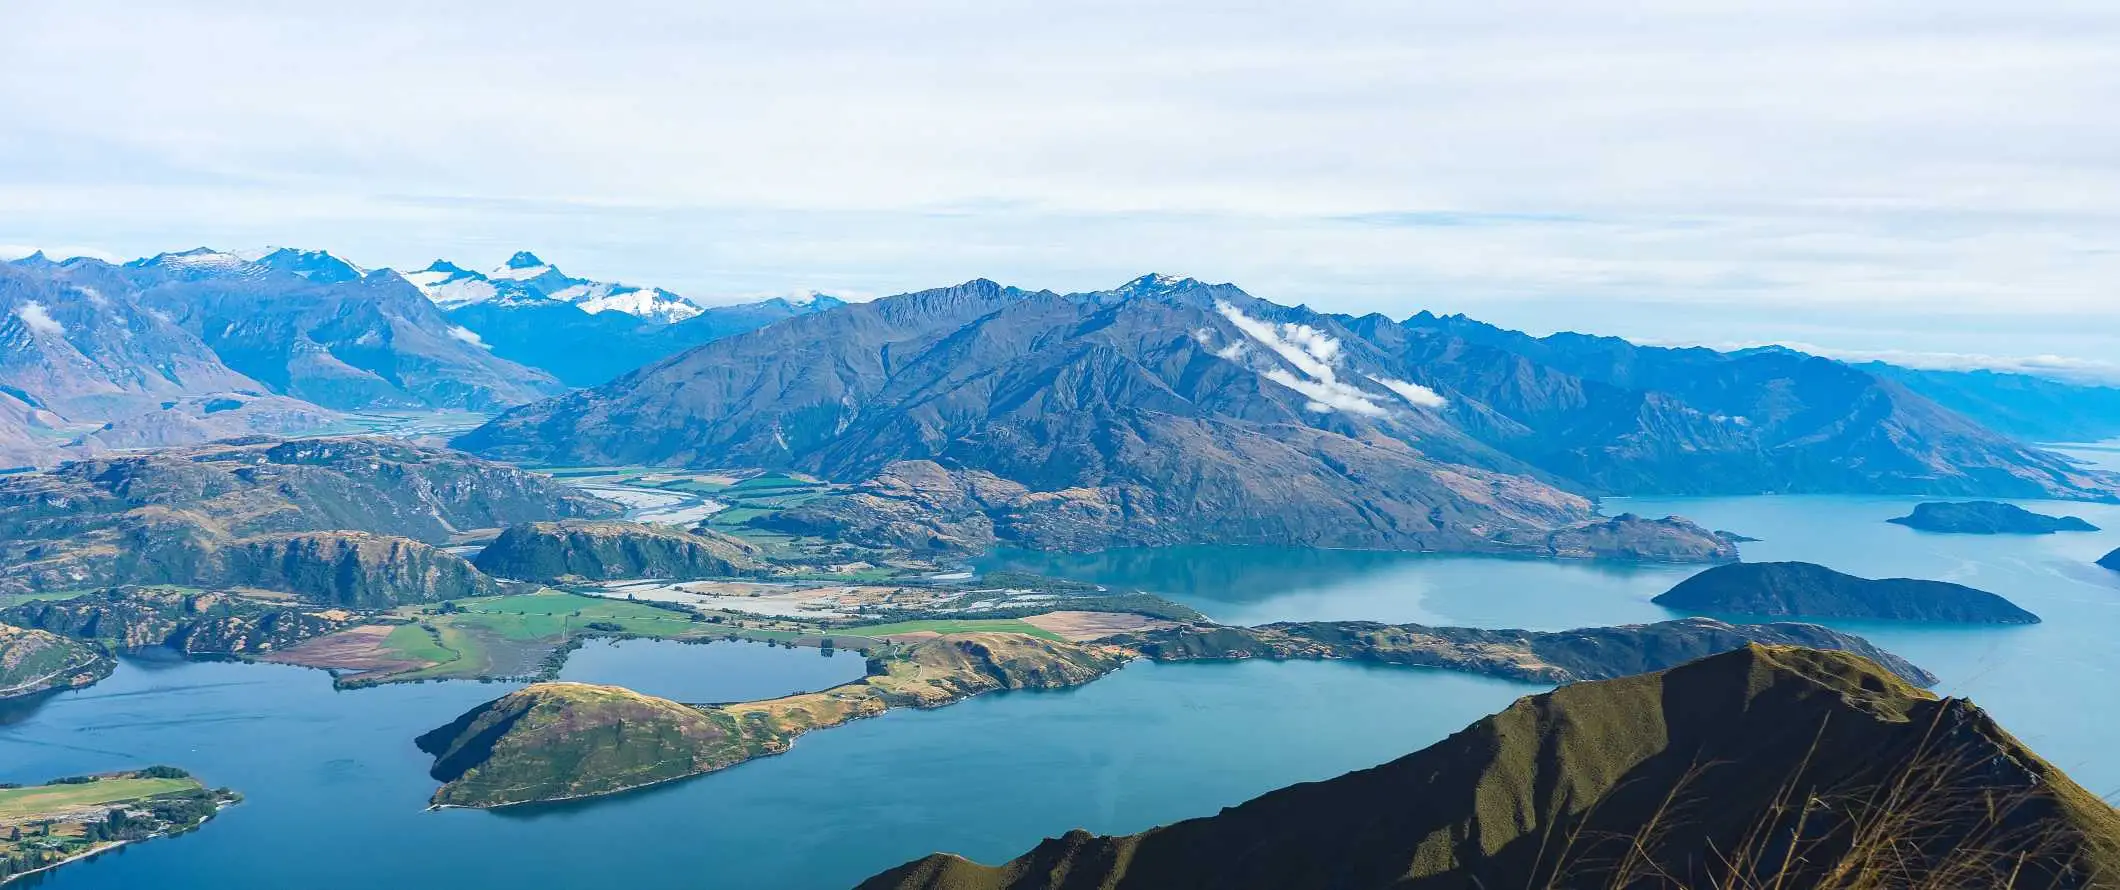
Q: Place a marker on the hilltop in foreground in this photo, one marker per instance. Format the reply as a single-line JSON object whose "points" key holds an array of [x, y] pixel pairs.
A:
{"points": [[1696, 777]]}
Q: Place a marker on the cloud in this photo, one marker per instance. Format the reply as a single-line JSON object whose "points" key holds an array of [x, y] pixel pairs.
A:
{"points": [[468, 335], [35, 318], [1312, 352], [1415, 394], [1541, 158]]}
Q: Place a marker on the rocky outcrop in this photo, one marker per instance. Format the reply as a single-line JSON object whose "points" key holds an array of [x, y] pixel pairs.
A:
{"points": [[172, 516], [1681, 778], [35, 661], [1590, 653], [1988, 518], [352, 570], [1804, 590], [190, 622], [608, 550], [554, 741]]}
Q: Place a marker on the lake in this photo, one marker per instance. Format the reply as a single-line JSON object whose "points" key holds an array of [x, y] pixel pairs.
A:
{"points": [[2053, 684], [336, 788]]}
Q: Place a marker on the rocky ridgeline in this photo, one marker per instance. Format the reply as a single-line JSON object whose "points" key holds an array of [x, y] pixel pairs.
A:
{"points": [[609, 550], [348, 521]]}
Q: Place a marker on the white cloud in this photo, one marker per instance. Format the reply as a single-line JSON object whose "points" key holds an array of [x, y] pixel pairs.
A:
{"points": [[1415, 394], [468, 335], [38, 320], [1678, 159], [1312, 352]]}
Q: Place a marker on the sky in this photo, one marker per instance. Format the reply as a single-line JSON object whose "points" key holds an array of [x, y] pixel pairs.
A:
{"points": [[1937, 181]]}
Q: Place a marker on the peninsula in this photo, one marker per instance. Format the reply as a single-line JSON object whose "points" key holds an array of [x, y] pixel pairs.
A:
{"points": [[558, 741], [45, 826]]}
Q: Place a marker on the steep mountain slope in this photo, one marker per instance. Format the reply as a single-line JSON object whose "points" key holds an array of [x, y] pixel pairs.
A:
{"points": [[350, 343], [1623, 418], [585, 332], [1764, 766], [1163, 412], [74, 340], [2035, 409], [607, 550]]}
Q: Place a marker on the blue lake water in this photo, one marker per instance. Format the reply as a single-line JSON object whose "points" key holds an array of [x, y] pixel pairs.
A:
{"points": [[705, 673], [2055, 684], [336, 788]]}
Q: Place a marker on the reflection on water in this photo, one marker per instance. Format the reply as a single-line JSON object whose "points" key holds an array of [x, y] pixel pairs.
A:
{"points": [[1256, 585]]}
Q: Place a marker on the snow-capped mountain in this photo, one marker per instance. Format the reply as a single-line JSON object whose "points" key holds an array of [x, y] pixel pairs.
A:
{"points": [[526, 279]]}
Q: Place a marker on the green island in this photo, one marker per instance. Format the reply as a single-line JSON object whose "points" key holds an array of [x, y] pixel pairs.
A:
{"points": [[49, 825]]}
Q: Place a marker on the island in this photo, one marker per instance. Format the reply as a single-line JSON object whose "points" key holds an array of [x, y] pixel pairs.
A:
{"points": [[45, 826], [1577, 788], [36, 661], [559, 741], [2111, 561], [1988, 518], [1807, 590]]}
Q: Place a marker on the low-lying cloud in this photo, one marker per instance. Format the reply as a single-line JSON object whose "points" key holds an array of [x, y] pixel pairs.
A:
{"points": [[35, 318]]}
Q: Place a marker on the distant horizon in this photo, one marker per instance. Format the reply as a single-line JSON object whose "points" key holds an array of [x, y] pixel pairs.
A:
{"points": [[2064, 368]]}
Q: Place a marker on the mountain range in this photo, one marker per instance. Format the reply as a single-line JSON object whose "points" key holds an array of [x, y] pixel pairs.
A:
{"points": [[1171, 410], [586, 332], [195, 345]]}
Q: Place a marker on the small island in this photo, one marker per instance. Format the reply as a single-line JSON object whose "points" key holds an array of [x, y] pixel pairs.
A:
{"points": [[1988, 518], [1805, 590], [2111, 561], [45, 826]]}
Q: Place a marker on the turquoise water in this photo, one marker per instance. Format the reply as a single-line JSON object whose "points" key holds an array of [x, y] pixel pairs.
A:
{"points": [[2056, 684], [722, 671], [336, 787]]}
